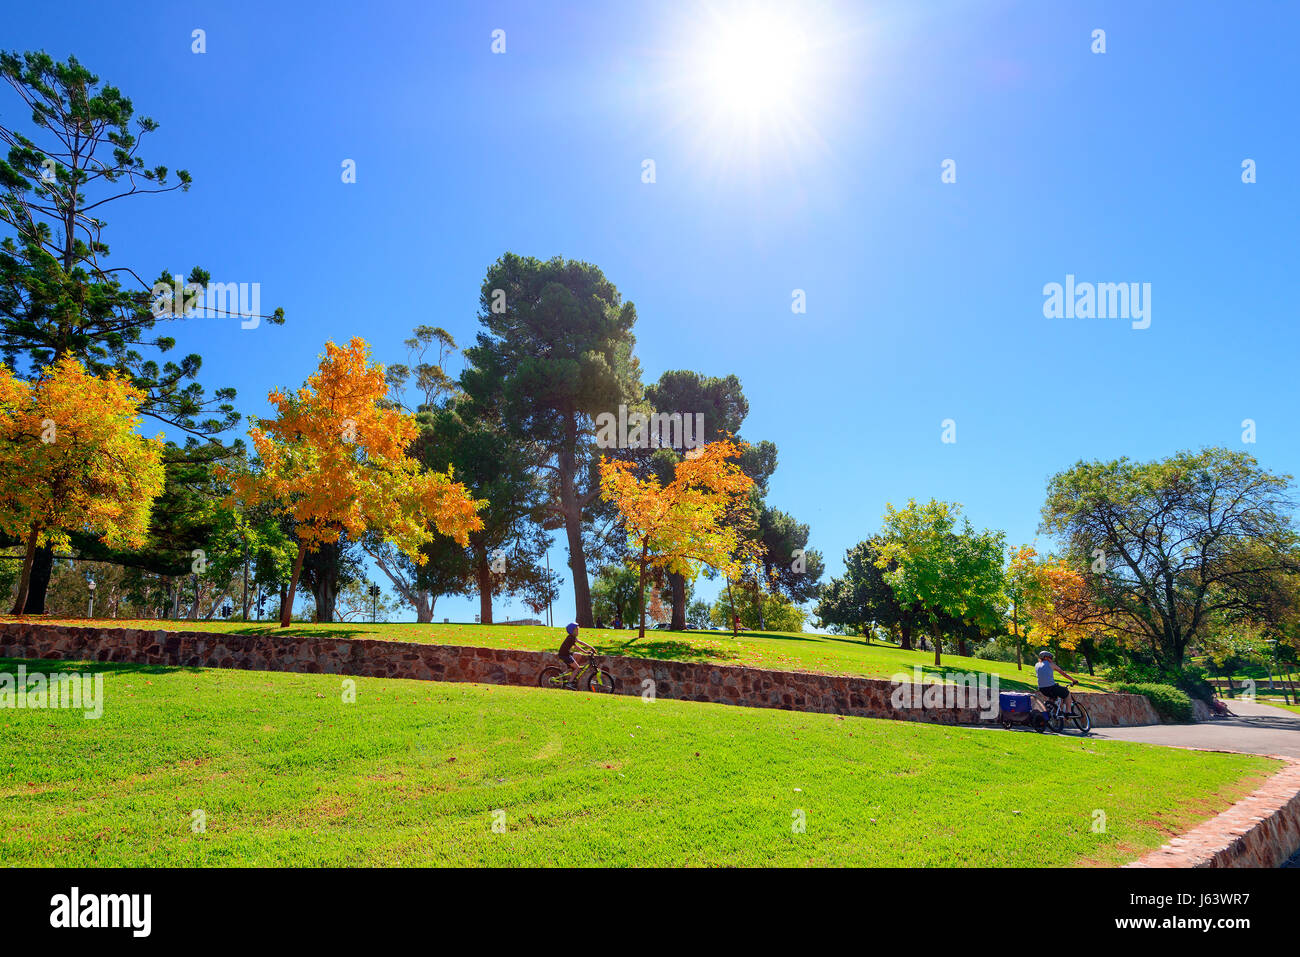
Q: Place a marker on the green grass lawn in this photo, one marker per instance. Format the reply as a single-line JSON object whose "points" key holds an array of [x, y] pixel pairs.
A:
{"points": [[1275, 702], [830, 654], [412, 773]]}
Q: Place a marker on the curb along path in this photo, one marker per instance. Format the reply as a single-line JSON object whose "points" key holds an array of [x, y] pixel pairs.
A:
{"points": [[1260, 830]]}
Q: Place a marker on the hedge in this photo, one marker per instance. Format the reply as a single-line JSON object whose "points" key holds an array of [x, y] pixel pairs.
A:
{"points": [[1169, 702]]}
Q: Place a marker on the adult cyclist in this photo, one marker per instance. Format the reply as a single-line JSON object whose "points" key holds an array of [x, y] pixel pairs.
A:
{"points": [[1046, 670]]}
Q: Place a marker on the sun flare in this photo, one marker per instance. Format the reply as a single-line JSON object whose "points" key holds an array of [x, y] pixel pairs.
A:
{"points": [[754, 65], [755, 83]]}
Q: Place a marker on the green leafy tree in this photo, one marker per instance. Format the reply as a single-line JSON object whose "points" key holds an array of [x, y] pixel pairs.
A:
{"points": [[468, 434], [432, 382], [863, 597], [789, 566], [699, 614], [507, 556], [720, 402], [60, 294], [615, 593], [943, 572], [1174, 541], [776, 611], [556, 351]]}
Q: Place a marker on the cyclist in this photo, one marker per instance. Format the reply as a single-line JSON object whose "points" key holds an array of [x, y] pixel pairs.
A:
{"points": [[566, 652], [1046, 670]]}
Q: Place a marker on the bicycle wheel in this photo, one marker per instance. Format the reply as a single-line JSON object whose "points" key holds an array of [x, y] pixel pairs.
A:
{"points": [[1038, 722], [601, 682], [1080, 719], [551, 677], [1056, 723]]}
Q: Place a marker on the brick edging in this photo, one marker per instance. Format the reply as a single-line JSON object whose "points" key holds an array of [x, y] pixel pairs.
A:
{"points": [[1260, 830], [368, 657]]}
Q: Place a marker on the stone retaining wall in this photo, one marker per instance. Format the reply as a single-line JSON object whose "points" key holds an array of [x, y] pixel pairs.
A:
{"points": [[687, 681], [1261, 830]]}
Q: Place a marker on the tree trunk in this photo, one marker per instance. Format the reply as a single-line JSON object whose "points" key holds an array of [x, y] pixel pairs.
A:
{"points": [[732, 601], [1015, 636], [423, 608], [25, 578], [906, 643], [645, 549], [961, 646], [38, 580], [572, 510], [286, 605], [326, 559], [678, 585], [484, 586], [245, 602], [938, 641]]}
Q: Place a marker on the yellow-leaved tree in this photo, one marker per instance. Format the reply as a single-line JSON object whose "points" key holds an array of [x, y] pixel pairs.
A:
{"points": [[681, 526], [1060, 607], [334, 460], [72, 460]]}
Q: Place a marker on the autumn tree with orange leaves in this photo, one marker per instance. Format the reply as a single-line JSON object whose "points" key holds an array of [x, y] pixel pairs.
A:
{"points": [[334, 459], [72, 460], [679, 527], [1060, 604], [1024, 587]]}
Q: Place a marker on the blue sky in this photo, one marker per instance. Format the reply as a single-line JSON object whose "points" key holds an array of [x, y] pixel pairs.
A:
{"points": [[924, 298]]}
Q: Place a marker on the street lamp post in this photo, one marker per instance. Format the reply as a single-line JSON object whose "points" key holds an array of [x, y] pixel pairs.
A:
{"points": [[90, 613], [549, 621]]}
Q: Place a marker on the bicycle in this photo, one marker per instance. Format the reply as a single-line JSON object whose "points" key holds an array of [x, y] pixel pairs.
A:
{"points": [[1077, 714], [596, 678]]}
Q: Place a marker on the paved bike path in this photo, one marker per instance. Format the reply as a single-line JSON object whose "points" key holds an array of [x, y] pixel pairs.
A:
{"points": [[1254, 728]]}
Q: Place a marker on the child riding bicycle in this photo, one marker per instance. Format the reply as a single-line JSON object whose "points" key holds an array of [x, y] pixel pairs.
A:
{"points": [[566, 653]]}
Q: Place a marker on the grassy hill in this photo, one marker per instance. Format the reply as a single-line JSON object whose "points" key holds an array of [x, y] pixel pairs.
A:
{"points": [[829, 654], [414, 772]]}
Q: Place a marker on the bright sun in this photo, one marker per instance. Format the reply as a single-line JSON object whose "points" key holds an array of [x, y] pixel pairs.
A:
{"points": [[754, 65], [755, 82]]}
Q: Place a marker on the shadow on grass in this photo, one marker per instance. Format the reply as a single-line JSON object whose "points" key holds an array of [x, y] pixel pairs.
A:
{"points": [[670, 651], [47, 665], [298, 631]]}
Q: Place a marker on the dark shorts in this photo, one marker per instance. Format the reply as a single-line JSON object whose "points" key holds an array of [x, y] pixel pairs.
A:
{"points": [[1054, 691], [566, 650]]}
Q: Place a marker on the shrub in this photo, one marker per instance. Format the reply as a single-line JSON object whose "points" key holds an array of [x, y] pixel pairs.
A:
{"points": [[1135, 672], [1190, 679], [1170, 702], [992, 651]]}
